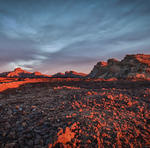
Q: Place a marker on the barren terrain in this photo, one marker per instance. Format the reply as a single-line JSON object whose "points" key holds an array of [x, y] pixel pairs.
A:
{"points": [[74, 113]]}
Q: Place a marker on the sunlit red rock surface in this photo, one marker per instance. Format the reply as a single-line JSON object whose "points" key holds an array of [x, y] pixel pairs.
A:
{"points": [[74, 113]]}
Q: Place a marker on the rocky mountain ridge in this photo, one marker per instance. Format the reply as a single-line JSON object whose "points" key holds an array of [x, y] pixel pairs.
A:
{"points": [[132, 66], [20, 73]]}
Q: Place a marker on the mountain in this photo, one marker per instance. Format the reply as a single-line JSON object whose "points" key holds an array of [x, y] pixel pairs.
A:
{"points": [[69, 74], [20, 73], [132, 66]]}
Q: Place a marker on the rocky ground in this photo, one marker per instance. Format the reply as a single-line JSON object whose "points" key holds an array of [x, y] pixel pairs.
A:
{"points": [[80, 113]]}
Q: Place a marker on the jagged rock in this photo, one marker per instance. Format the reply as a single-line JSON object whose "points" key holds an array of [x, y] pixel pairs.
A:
{"points": [[132, 66]]}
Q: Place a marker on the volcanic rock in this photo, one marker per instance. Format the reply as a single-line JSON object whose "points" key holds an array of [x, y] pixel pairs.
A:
{"points": [[97, 114], [132, 66]]}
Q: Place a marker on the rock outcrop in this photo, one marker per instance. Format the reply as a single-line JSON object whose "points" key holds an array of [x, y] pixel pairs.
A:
{"points": [[132, 66]]}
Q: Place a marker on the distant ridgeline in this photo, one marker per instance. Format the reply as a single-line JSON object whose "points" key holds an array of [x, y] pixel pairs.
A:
{"points": [[131, 67], [20, 73]]}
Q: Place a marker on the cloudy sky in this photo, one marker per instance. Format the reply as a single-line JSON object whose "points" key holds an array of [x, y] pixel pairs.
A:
{"points": [[58, 35]]}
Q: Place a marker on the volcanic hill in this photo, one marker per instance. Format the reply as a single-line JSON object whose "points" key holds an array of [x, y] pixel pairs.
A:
{"points": [[132, 66]]}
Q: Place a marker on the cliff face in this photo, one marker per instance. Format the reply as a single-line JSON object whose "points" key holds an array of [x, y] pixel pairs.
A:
{"points": [[132, 66]]}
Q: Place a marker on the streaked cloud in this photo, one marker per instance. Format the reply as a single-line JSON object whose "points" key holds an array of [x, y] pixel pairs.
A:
{"points": [[64, 34]]}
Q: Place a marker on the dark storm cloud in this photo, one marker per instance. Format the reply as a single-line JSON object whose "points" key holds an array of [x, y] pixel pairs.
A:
{"points": [[65, 34]]}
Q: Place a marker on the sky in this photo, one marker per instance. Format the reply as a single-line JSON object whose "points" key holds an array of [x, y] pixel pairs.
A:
{"points": [[53, 36]]}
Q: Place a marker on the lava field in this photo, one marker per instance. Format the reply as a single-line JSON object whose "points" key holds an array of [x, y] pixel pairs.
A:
{"points": [[76, 113]]}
